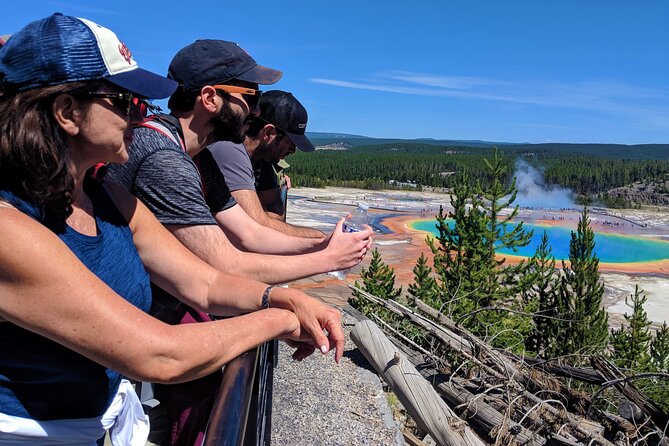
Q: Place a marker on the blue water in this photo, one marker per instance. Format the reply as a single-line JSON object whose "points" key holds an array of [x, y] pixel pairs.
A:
{"points": [[610, 248]]}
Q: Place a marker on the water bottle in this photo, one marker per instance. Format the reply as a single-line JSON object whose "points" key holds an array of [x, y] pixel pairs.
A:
{"points": [[354, 222]]}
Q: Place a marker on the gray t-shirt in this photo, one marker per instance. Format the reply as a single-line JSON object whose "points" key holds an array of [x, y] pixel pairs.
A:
{"points": [[234, 162], [167, 180], [239, 171]]}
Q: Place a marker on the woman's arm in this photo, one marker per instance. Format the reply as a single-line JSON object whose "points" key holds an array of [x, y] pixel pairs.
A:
{"points": [[44, 288], [181, 273]]}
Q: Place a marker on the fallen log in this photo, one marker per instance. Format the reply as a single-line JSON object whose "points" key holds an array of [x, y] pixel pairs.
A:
{"points": [[514, 373], [612, 374], [552, 367], [426, 408]]}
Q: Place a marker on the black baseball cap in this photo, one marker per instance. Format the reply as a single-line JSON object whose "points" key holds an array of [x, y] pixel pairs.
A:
{"points": [[282, 110], [211, 62]]}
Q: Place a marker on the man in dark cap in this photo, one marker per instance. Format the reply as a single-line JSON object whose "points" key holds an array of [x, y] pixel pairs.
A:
{"points": [[173, 173], [177, 179], [248, 168]]}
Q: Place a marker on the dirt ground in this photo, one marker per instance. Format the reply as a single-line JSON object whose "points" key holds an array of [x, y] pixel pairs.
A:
{"points": [[401, 247]]}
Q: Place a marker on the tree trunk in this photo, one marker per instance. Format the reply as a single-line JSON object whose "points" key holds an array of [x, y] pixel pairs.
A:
{"points": [[427, 409]]}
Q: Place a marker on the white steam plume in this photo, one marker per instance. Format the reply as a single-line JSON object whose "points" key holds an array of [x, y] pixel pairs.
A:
{"points": [[534, 193]]}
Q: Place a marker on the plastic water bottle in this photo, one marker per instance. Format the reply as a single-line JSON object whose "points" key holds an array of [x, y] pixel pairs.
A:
{"points": [[354, 222]]}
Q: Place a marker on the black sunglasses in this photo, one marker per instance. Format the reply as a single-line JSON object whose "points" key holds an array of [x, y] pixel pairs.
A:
{"points": [[127, 103]]}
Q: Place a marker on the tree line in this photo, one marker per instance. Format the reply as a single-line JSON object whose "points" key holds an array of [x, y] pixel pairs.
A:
{"points": [[418, 165]]}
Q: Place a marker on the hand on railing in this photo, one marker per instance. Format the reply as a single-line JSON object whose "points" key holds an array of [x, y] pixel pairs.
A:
{"points": [[314, 317]]}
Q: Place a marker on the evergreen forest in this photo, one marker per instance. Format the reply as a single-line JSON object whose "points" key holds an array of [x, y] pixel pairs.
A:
{"points": [[588, 170]]}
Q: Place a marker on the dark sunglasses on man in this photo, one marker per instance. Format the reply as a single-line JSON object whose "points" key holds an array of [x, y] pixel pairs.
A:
{"points": [[250, 95]]}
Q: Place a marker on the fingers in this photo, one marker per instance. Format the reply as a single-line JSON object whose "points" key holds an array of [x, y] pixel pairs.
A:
{"points": [[317, 335], [302, 352], [302, 349], [339, 225], [336, 337]]}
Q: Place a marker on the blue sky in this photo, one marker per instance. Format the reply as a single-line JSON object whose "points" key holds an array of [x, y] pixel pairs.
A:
{"points": [[513, 71]]}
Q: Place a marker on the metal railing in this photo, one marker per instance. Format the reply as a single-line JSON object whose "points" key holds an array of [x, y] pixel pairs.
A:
{"points": [[242, 412]]}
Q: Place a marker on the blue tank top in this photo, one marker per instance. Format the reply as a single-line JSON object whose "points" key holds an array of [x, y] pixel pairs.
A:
{"points": [[43, 380]]}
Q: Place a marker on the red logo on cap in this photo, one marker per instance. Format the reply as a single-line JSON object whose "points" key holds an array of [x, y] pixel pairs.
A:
{"points": [[125, 52]]}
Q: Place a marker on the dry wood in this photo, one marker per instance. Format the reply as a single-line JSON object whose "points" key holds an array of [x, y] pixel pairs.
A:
{"points": [[426, 408], [412, 440], [483, 416], [554, 368], [611, 373], [500, 395]]}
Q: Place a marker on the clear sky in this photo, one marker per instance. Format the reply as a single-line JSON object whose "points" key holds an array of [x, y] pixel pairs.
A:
{"points": [[497, 70]]}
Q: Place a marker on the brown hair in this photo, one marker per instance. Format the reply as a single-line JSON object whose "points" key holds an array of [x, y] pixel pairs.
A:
{"points": [[34, 157]]}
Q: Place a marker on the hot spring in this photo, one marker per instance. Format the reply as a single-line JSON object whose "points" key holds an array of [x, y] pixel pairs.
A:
{"points": [[610, 248]]}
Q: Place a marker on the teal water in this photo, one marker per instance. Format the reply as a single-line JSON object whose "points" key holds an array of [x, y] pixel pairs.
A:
{"points": [[610, 248]]}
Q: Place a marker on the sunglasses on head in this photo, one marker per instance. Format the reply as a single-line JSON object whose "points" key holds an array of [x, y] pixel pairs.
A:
{"points": [[250, 95], [127, 102]]}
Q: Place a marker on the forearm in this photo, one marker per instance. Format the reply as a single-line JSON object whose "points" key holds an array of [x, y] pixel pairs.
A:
{"points": [[280, 269], [189, 351], [211, 245], [254, 237], [287, 228], [275, 216]]}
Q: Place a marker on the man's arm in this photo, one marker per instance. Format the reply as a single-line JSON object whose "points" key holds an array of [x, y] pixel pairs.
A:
{"points": [[272, 203], [249, 235], [210, 244], [248, 200]]}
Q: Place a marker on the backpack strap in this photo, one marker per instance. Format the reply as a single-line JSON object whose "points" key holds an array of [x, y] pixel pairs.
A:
{"points": [[160, 124], [170, 127]]}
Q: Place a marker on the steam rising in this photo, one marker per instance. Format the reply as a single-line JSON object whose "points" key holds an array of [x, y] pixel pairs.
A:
{"points": [[534, 193]]}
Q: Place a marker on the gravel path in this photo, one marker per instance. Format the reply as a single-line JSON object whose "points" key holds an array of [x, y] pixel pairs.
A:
{"points": [[317, 402]]}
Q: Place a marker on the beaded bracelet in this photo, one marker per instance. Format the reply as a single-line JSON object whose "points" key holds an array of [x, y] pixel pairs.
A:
{"points": [[265, 297]]}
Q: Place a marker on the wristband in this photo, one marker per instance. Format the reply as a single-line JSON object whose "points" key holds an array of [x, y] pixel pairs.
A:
{"points": [[265, 297]]}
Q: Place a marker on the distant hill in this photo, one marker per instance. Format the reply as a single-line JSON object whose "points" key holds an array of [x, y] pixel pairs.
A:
{"points": [[359, 143], [323, 139]]}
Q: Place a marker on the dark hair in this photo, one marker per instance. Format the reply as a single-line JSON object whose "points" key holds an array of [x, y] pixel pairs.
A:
{"points": [[254, 125], [182, 100], [34, 157]]}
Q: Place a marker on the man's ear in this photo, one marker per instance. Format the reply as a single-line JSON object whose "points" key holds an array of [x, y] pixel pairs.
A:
{"points": [[68, 114], [208, 98], [268, 133]]}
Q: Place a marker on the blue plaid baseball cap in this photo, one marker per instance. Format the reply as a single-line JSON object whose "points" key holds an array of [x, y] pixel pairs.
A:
{"points": [[60, 49]]}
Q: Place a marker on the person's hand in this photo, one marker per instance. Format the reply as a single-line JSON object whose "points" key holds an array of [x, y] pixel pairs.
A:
{"points": [[315, 317], [302, 349], [347, 249], [287, 178]]}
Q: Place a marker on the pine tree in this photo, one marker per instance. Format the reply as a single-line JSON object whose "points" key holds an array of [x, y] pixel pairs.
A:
{"points": [[659, 349], [424, 287], [502, 233], [580, 296], [471, 277], [542, 299], [630, 344], [378, 280], [457, 251]]}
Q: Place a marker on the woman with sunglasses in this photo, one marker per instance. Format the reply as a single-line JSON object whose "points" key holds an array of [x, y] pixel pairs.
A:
{"points": [[77, 254]]}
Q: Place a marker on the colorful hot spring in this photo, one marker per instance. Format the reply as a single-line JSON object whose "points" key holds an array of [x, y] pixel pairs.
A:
{"points": [[610, 248]]}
